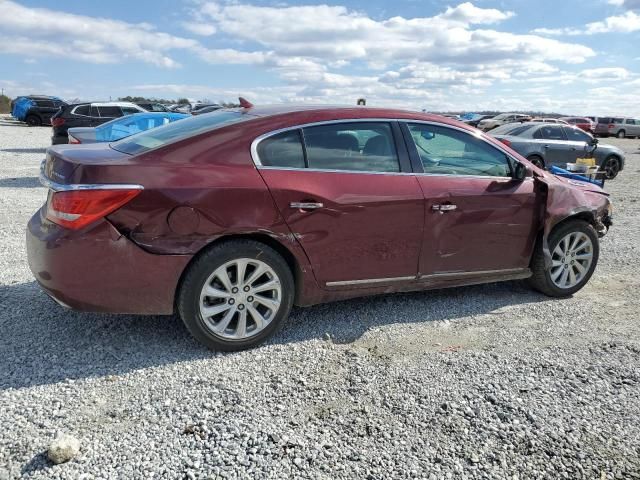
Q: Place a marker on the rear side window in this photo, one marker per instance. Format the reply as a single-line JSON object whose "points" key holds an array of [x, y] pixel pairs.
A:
{"points": [[616, 120], [550, 132], [129, 110], [110, 112], [357, 146], [82, 110], [282, 150], [45, 103]]}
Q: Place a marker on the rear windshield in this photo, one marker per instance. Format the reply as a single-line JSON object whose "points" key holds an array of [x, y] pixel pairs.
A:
{"points": [[161, 136], [511, 129]]}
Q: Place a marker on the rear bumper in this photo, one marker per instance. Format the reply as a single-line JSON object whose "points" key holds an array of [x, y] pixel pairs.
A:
{"points": [[100, 270]]}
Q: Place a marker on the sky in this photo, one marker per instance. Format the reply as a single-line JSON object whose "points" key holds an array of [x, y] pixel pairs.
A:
{"points": [[579, 57]]}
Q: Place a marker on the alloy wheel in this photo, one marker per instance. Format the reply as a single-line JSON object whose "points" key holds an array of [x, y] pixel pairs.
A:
{"points": [[240, 298], [571, 260], [612, 167]]}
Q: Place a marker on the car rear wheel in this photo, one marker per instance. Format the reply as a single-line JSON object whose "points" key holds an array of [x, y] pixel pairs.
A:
{"points": [[611, 167], [537, 161], [236, 295], [33, 121], [621, 134], [574, 251]]}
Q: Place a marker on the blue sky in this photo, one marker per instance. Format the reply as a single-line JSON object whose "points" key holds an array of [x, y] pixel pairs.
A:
{"points": [[578, 57]]}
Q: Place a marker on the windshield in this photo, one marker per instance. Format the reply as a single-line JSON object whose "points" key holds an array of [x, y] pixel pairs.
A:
{"points": [[161, 136], [511, 129]]}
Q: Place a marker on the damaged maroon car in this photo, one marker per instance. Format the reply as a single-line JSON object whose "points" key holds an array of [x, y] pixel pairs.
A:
{"points": [[233, 217]]}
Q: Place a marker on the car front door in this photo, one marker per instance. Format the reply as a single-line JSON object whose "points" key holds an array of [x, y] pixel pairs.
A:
{"points": [[579, 141], [346, 192], [632, 127], [478, 219], [553, 145]]}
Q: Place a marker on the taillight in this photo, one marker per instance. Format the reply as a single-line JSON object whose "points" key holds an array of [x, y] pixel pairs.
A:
{"points": [[505, 141], [73, 139], [57, 121], [78, 208], [611, 125]]}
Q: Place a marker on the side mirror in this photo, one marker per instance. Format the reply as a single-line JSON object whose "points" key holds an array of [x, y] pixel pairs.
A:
{"points": [[594, 141], [519, 172]]}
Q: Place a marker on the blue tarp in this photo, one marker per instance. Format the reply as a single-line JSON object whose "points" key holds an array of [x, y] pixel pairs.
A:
{"points": [[561, 172], [135, 123], [21, 106]]}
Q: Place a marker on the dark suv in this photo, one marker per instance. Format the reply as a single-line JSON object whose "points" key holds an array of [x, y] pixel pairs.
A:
{"points": [[39, 109], [88, 115]]}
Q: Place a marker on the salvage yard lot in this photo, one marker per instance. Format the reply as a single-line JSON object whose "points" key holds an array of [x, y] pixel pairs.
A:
{"points": [[491, 381]]}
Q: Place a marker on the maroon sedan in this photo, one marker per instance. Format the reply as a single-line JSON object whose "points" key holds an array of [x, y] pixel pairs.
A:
{"points": [[232, 217], [582, 123]]}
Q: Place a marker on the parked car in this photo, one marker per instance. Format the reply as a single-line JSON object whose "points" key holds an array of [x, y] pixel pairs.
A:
{"points": [[545, 145], [152, 106], [197, 109], [548, 120], [88, 114], [209, 109], [36, 110], [502, 119], [582, 123], [122, 127], [622, 127], [233, 217], [473, 122]]}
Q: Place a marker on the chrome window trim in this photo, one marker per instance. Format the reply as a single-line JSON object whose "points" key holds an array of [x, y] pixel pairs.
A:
{"points": [[61, 187], [477, 134]]}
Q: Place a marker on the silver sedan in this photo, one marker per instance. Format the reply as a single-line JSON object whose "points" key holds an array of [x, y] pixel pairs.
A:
{"points": [[551, 144]]}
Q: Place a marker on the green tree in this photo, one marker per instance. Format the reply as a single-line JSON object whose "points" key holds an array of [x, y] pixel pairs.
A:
{"points": [[5, 104], [182, 101]]}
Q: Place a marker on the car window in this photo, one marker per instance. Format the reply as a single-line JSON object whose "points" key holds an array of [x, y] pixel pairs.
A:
{"points": [[129, 110], [630, 121], [82, 110], [550, 132], [94, 111], [446, 151], [576, 135], [616, 120], [44, 103], [604, 120], [511, 129], [282, 150], [175, 131], [110, 112], [357, 146]]}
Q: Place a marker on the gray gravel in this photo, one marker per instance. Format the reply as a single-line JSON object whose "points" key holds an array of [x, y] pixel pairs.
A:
{"points": [[490, 381]]}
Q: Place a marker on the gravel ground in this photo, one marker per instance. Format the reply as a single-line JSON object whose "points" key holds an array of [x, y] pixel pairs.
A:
{"points": [[490, 381]]}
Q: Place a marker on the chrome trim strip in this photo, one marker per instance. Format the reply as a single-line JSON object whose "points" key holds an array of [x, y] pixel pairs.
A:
{"points": [[478, 273], [478, 134], [369, 280], [61, 187]]}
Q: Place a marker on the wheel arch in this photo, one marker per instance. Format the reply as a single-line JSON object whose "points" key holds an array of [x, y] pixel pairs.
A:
{"points": [[289, 257]]}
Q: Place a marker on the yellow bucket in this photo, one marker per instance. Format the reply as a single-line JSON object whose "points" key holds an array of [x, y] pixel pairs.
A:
{"points": [[590, 162]]}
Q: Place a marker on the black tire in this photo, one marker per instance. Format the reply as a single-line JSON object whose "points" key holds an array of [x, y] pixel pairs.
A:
{"points": [[188, 298], [537, 161], [33, 121], [621, 134], [541, 278], [611, 166]]}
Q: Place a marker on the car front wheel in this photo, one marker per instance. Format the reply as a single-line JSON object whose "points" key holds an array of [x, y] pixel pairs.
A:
{"points": [[611, 167], [236, 295], [574, 251], [33, 121]]}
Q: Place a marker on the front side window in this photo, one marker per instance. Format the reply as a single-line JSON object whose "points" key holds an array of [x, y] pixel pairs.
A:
{"points": [[282, 150], [550, 132], [577, 135], [357, 146], [446, 151]]}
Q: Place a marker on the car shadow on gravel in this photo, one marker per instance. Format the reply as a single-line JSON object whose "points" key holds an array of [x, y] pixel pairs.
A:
{"points": [[20, 182], [23, 150], [43, 343]]}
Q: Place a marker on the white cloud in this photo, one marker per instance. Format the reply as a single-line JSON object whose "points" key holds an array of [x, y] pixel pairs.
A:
{"points": [[204, 29], [628, 22], [628, 4]]}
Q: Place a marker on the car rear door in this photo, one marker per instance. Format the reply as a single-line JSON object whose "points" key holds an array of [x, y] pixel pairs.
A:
{"points": [[478, 219], [347, 194]]}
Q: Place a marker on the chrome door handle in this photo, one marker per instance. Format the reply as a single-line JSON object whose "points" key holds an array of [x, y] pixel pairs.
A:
{"points": [[306, 205], [447, 207]]}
